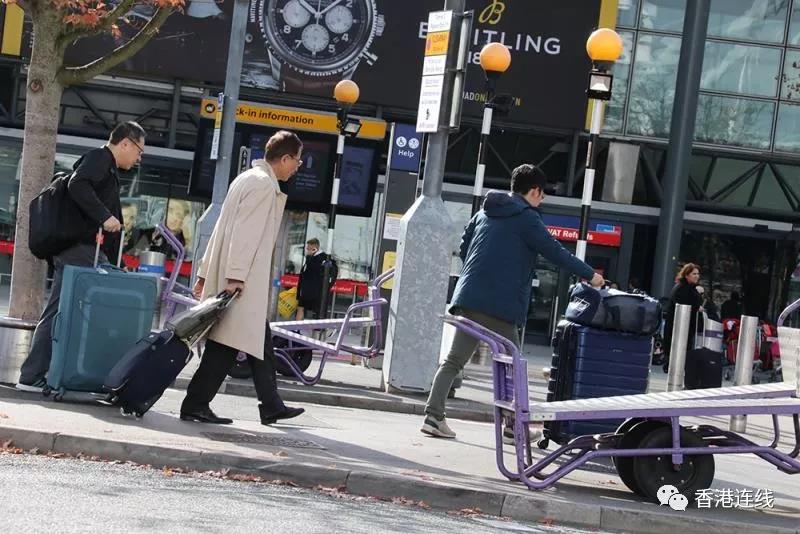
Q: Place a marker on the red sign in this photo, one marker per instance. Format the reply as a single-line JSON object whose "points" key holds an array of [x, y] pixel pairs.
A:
{"points": [[340, 287], [606, 239]]}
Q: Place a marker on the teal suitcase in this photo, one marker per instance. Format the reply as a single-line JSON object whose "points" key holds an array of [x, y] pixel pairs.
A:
{"points": [[103, 312]]}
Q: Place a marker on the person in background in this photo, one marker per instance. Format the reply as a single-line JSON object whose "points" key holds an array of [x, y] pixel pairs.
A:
{"points": [[499, 249], [732, 308], [94, 187], [309, 286], [686, 292], [238, 261]]}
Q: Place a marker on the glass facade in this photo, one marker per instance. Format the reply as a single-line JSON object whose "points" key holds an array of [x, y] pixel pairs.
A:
{"points": [[150, 194], [750, 82]]}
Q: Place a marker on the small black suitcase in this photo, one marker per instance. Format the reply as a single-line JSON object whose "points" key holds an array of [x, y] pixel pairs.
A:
{"points": [[146, 371], [703, 369]]}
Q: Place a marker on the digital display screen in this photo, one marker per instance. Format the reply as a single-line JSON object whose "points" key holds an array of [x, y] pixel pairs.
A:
{"points": [[309, 189], [357, 169]]}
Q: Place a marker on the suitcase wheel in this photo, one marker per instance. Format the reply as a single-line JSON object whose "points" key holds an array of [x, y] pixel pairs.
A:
{"points": [[58, 396], [46, 391], [543, 443]]}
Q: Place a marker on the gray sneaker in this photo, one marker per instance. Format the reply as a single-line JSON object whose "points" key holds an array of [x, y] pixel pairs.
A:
{"points": [[437, 428], [535, 434], [36, 387]]}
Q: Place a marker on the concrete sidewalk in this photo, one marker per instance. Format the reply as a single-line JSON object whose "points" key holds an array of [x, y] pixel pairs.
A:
{"points": [[384, 455], [357, 386]]}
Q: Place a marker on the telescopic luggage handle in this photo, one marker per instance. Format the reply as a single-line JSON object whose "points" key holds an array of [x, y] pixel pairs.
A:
{"points": [[99, 238]]}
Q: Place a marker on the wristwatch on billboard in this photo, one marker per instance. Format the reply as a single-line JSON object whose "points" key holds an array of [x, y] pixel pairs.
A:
{"points": [[314, 44]]}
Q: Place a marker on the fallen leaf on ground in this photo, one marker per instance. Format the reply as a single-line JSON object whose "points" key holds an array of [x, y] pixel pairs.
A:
{"points": [[470, 512], [34, 450], [167, 472], [424, 505]]}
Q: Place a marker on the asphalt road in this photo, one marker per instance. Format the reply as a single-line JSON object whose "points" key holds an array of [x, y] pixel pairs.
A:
{"points": [[39, 494]]}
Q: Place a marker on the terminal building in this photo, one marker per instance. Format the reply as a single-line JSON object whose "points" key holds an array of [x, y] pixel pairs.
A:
{"points": [[744, 180]]}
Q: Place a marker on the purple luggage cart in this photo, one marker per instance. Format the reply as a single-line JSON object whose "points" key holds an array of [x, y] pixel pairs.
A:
{"points": [[651, 448]]}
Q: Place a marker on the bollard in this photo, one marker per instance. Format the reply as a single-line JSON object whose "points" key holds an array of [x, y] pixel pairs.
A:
{"points": [[677, 351], [743, 373]]}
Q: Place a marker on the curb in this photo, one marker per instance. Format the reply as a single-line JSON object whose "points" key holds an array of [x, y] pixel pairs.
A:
{"points": [[440, 496], [306, 394]]}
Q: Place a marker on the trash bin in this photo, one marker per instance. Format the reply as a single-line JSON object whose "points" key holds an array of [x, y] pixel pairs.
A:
{"points": [[15, 342]]}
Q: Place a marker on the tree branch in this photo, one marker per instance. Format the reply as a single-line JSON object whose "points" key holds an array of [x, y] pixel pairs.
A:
{"points": [[76, 75], [71, 35]]}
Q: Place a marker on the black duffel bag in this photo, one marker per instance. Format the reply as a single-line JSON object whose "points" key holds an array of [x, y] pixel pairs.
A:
{"points": [[611, 309]]}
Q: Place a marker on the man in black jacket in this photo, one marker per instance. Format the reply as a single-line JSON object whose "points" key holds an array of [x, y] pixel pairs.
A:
{"points": [[309, 288], [94, 187]]}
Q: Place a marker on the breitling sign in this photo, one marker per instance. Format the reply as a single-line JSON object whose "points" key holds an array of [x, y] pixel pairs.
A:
{"points": [[307, 46]]}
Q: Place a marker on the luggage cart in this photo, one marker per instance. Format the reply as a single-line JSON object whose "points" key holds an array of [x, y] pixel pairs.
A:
{"points": [[298, 334], [651, 448]]}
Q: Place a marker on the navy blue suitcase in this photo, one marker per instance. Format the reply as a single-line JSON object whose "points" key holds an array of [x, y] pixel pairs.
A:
{"points": [[589, 363], [146, 371]]}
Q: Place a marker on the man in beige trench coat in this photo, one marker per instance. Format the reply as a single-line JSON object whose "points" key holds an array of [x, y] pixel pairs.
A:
{"points": [[239, 257]]}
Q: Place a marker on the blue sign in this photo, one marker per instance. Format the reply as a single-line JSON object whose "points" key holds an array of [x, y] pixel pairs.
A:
{"points": [[406, 148]]}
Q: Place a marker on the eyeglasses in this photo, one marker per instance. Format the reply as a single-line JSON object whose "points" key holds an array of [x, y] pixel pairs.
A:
{"points": [[137, 145]]}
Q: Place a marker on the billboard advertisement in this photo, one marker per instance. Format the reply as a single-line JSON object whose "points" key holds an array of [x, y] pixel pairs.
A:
{"points": [[307, 46]]}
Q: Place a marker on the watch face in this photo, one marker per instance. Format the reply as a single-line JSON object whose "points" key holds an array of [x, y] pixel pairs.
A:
{"points": [[318, 37]]}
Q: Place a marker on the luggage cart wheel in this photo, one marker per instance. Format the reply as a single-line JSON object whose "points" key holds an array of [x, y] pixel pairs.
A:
{"points": [[46, 391], [543, 443], [652, 472], [633, 431]]}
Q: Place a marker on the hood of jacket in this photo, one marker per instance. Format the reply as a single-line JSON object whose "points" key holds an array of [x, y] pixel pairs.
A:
{"points": [[501, 204]]}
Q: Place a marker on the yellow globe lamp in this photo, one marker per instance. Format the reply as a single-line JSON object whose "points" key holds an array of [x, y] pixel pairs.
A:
{"points": [[495, 58], [346, 92], [604, 45]]}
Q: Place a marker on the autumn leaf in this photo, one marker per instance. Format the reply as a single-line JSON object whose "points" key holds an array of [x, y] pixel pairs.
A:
{"points": [[34, 450], [167, 472]]}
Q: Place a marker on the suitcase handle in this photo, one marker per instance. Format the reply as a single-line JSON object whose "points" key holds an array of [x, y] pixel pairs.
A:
{"points": [[54, 328]]}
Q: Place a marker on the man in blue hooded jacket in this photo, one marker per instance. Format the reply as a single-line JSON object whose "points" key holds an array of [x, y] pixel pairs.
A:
{"points": [[499, 250]]}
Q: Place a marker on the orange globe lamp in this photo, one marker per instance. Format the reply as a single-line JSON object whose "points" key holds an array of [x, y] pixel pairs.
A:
{"points": [[604, 45], [495, 58], [346, 92]]}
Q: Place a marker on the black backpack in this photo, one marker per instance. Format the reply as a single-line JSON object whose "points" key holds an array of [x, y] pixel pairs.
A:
{"points": [[52, 219]]}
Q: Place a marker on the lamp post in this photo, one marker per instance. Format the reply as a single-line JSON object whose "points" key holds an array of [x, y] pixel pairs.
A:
{"points": [[604, 47], [495, 60], [346, 94]]}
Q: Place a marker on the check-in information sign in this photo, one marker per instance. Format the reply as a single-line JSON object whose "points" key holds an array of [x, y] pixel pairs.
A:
{"points": [[433, 71]]}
